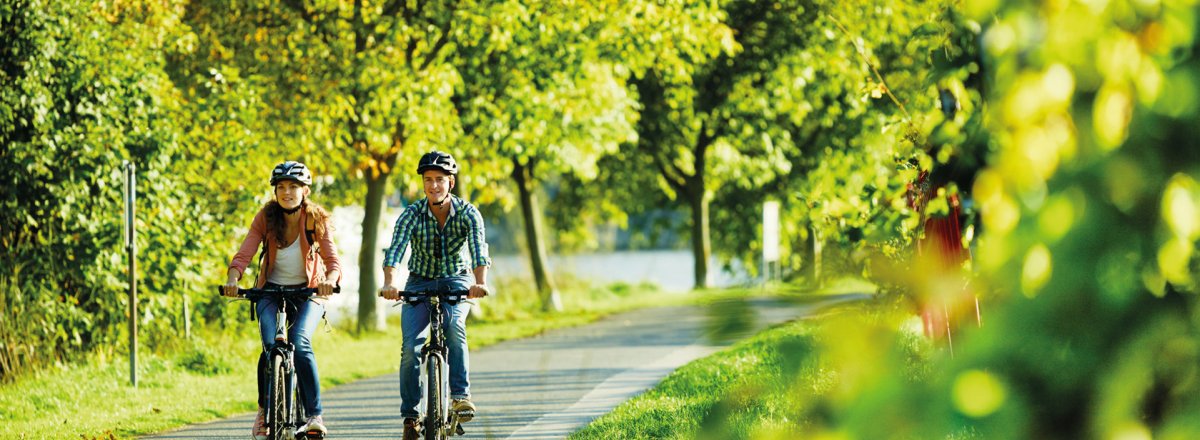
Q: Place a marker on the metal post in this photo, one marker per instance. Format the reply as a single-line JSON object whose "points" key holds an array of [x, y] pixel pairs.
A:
{"points": [[131, 248], [187, 317]]}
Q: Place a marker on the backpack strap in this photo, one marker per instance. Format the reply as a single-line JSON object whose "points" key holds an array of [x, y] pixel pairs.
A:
{"points": [[310, 233], [262, 256]]}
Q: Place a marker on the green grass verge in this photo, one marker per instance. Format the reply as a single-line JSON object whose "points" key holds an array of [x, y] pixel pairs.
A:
{"points": [[775, 385], [214, 378], [731, 394]]}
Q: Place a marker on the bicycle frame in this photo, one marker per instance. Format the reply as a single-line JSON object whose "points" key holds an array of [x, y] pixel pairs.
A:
{"points": [[282, 421], [293, 415], [439, 422]]}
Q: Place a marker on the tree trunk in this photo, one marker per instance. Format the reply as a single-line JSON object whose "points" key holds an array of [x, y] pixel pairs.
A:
{"points": [[816, 255], [701, 248], [367, 265], [462, 189], [697, 193], [551, 300]]}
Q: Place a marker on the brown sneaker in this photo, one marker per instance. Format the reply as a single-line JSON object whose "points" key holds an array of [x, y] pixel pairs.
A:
{"points": [[464, 408], [411, 429]]}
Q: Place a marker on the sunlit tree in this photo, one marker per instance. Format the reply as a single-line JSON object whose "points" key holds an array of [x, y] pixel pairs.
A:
{"points": [[546, 94]]}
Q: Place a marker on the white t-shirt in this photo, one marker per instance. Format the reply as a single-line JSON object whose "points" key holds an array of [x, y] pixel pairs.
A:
{"points": [[288, 269]]}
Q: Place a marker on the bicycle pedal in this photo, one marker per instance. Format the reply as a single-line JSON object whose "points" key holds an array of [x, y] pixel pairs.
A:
{"points": [[465, 416]]}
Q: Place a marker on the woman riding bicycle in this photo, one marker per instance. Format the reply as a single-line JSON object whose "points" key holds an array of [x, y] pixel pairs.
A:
{"points": [[297, 252], [439, 226]]}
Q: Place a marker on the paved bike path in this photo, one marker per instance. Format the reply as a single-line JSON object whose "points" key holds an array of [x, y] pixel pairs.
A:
{"points": [[548, 386]]}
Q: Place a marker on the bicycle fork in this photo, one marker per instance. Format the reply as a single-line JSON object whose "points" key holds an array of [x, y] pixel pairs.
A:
{"points": [[292, 414], [436, 359]]}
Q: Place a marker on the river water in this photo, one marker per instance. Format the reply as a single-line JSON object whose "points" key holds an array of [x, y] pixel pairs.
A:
{"points": [[671, 270]]}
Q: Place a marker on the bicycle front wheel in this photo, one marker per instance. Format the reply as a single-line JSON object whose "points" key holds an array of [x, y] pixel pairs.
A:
{"points": [[298, 418], [436, 401], [277, 410]]}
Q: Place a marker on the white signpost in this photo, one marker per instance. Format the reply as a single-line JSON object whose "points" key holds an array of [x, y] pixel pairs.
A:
{"points": [[770, 237]]}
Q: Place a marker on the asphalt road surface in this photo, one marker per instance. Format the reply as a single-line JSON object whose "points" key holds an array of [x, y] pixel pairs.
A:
{"points": [[548, 386]]}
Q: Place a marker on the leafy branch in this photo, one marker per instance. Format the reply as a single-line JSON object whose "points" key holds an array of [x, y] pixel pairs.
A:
{"points": [[863, 54]]}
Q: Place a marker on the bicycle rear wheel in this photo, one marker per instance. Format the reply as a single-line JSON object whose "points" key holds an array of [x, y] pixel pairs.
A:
{"points": [[277, 410], [436, 397]]}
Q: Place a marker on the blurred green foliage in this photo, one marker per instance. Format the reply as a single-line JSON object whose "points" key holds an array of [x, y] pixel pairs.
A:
{"points": [[1079, 119], [1089, 208]]}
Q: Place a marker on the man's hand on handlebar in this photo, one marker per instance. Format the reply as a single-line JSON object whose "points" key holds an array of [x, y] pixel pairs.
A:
{"points": [[478, 291], [393, 293], [389, 291]]}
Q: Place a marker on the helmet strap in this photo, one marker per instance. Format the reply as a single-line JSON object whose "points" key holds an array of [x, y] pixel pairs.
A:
{"points": [[293, 210]]}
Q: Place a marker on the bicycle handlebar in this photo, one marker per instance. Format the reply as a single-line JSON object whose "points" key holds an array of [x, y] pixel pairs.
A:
{"points": [[287, 292], [452, 297]]}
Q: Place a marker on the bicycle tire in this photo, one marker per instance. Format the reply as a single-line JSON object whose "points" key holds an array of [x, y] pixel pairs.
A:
{"points": [[277, 411], [435, 409], [298, 419]]}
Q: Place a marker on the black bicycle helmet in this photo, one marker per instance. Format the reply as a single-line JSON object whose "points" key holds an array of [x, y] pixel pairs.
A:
{"points": [[291, 170], [437, 160]]}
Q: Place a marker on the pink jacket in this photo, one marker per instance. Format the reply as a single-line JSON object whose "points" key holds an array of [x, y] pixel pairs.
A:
{"points": [[326, 257]]}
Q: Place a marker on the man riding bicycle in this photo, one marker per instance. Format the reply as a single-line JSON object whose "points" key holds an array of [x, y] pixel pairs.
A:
{"points": [[439, 227]]}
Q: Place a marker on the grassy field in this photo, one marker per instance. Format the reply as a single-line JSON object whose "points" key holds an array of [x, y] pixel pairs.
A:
{"points": [[214, 377]]}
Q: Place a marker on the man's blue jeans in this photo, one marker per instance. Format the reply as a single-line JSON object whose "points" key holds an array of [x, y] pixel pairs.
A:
{"points": [[414, 326], [304, 321]]}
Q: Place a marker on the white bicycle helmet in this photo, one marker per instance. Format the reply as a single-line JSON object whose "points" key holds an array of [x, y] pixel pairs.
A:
{"points": [[291, 170]]}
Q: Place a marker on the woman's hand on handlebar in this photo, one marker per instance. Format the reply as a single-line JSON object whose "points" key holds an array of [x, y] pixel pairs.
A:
{"points": [[325, 288], [389, 291], [230, 289]]}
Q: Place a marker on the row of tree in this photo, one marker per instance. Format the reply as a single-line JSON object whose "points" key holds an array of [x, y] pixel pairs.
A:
{"points": [[625, 107]]}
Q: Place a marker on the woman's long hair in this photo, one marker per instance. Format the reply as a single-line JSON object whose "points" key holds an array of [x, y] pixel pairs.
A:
{"points": [[277, 226]]}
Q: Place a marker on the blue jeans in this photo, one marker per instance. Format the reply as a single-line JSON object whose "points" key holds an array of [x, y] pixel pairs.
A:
{"points": [[303, 321], [414, 326]]}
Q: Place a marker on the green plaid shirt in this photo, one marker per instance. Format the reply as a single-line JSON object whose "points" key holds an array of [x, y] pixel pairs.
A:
{"points": [[438, 253]]}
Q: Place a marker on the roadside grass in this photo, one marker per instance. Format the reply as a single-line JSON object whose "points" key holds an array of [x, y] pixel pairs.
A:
{"points": [[686, 403], [214, 377], [777, 384]]}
